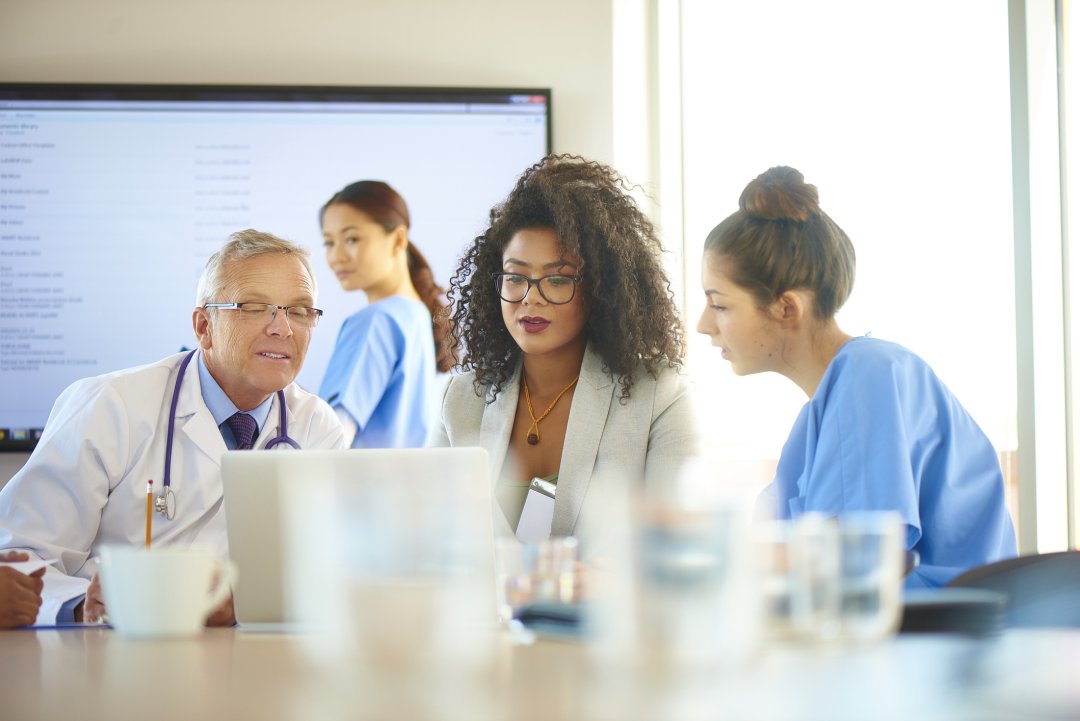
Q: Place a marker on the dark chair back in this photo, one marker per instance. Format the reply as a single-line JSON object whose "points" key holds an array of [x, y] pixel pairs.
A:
{"points": [[1042, 589], [971, 611]]}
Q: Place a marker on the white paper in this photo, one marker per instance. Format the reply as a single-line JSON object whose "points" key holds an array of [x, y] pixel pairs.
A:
{"points": [[535, 522], [26, 567], [59, 588]]}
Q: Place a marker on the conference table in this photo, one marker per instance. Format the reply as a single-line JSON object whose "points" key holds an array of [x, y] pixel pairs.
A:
{"points": [[90, 673]]}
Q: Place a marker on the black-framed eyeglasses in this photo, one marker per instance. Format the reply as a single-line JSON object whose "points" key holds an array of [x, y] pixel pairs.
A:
{"points": [[299, 315], [556, 289]]}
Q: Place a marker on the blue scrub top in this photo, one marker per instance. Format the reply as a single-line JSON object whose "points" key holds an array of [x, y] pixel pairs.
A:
{"points": [[382, 372], [882, 432]]}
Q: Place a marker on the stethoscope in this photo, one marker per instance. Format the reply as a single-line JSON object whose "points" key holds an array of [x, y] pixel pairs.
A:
{"points": [[165, 503]]}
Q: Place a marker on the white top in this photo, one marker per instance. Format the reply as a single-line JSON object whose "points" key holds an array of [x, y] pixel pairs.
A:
{"points": [[85, 484]]}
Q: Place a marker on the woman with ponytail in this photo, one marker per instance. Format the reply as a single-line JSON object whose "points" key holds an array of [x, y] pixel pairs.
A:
{"points": [[381, 377], [880, 430]]}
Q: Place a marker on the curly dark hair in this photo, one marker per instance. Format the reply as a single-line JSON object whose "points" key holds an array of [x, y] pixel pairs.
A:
{"points": [[632, 318]]}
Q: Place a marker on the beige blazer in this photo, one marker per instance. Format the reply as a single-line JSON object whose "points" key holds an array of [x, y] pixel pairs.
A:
{"points": [[645, 438]]}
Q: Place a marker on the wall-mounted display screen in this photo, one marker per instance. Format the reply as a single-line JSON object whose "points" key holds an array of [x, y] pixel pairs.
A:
{"points": [[112, 197]]}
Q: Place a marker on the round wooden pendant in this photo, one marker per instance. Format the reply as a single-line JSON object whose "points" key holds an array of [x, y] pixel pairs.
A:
{"points": [[533, 439]]}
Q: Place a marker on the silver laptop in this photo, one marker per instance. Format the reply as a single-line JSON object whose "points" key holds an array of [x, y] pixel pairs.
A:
{"points": [[298, 520]]}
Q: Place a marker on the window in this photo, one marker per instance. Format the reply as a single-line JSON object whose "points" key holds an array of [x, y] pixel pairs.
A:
{"points": [[908, 135]]}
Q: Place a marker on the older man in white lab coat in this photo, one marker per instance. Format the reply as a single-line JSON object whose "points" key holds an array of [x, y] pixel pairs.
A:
{"points": [[85, 484]]}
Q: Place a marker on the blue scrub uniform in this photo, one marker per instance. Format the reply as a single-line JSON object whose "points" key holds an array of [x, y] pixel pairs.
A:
{"points": [[882, 432], [382, 372]]}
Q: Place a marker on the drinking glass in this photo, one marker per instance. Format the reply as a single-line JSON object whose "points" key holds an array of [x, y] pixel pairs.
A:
{"points": [[832, 578], [772, 549], [871, 574], [815, 580], [682, 594], [527, 573], [396, 577]]}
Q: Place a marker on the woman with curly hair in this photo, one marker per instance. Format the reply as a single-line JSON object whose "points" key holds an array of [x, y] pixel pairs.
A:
{"points": [[381, 376], [572, 343]]}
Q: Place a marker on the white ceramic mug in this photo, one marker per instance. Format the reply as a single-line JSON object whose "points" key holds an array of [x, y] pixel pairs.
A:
{"points": [[162, 592]]}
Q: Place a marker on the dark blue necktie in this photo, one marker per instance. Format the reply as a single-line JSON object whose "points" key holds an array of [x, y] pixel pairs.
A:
{"points": [[244, 428]]}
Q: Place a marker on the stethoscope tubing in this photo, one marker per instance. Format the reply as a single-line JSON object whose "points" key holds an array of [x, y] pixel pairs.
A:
{"points": [[164, 506]]}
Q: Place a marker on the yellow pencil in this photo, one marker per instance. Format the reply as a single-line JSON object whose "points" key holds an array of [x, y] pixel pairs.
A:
{"points": [[149, 509]]}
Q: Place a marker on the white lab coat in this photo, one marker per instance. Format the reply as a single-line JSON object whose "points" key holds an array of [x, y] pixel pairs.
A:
{"points": [[84, 486]]}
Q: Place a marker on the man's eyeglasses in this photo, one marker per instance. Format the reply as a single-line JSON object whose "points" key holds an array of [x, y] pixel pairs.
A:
{"points": [[299, 315], [555, 289]]}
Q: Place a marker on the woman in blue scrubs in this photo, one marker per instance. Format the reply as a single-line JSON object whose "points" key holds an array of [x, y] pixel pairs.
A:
{"points": [[381, 376], [880, 431]]}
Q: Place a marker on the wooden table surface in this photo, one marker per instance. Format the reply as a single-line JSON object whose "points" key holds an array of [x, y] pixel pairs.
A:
{"points": [[85, 674]]}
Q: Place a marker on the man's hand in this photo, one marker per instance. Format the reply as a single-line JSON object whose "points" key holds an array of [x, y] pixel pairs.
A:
{"points": [[92, 609], [20, 593], [224, 615]]}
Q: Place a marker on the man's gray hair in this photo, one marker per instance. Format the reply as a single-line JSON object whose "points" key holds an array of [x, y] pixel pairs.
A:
{"points": [[241, 245]]}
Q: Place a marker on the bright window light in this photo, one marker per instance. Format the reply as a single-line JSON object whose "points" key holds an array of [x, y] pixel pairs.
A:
{"points": [[899, 113]]}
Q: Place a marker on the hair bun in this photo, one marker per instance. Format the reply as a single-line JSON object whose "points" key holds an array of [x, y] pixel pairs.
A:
{"points": [[780, 193]]}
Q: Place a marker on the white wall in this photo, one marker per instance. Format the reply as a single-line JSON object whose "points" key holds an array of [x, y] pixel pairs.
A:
{"points": [[562, 44]]}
